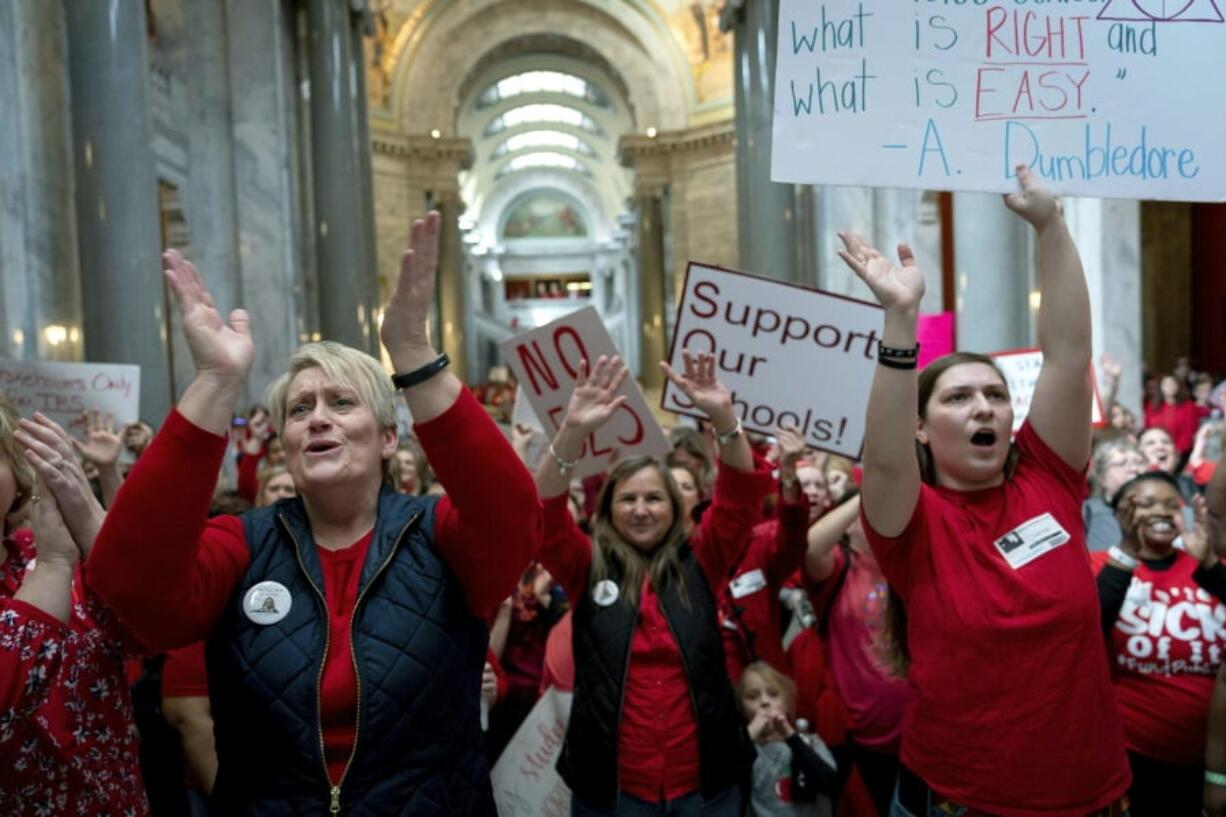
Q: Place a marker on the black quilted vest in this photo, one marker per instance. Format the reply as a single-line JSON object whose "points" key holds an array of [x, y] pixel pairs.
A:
{"points": [[602, 638], [419, 654]]}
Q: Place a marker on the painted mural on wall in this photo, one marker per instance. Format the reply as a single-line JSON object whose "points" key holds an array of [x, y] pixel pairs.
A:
{"points": [[544, 216]]}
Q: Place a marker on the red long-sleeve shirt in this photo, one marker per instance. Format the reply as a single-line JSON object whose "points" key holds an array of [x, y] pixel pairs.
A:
{"points": [[68, 744], [167, 571], [657, 747], [750, 620]]}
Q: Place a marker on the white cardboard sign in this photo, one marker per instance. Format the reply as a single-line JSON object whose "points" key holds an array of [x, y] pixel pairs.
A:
{"points": [[63, 391], [789, 355], [525, 778], [546, 362], [1104, 98], [1021, 368]]}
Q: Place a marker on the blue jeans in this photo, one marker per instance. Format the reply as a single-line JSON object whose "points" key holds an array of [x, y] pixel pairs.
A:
{"points": [[933, 810], [725, 804]]}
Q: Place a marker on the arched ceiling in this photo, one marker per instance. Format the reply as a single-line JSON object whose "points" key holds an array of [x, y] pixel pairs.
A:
{"points": [[675, 64]]}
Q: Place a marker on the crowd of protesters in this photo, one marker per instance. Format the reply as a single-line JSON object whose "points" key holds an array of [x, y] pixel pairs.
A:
{"points": [[297, 608]]}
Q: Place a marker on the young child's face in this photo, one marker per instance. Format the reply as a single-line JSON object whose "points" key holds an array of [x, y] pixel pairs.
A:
{"points": [[760, 695]]}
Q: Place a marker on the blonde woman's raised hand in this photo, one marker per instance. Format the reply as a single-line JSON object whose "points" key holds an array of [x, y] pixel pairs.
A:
{"points": [[704, 388], [895, 286], [220, 350], [405, 317]]}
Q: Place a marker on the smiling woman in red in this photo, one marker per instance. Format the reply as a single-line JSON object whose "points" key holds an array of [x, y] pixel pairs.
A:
{"points": [[982, 540], [655, 727]]}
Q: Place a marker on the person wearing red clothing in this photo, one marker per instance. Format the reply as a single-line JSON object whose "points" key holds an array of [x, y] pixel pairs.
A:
{"points": [[1176, 413], [849, 596], [655, 727], [1162, 610], [982, 542], [68, 743], [346, 627], [749, 609]]}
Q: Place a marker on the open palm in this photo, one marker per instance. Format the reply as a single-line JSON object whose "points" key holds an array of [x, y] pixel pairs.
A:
{"points": [[700, 384], [595, 397], [406, 313], [896, 286], [216, 347]]}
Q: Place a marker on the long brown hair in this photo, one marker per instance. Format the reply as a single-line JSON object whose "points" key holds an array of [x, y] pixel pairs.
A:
{"points": [[894, 636], [610, 550]]}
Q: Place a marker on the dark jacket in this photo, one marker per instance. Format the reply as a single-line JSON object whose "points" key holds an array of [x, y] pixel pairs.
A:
{"points": [[418, 652], [602, 640]]}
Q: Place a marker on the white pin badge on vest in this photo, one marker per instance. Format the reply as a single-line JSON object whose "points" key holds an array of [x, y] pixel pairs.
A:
{"points": [[605, 592], [267, 602]]}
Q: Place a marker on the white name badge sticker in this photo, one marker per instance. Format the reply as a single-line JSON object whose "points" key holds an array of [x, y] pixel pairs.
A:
{"points": [[747, 583], [267, 602], [1031, 539]]}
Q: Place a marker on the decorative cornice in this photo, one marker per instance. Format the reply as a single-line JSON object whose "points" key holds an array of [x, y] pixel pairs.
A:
{"points": [[423, 147], [634, 147]]}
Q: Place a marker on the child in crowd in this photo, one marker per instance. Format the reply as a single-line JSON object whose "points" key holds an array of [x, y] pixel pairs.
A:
{"points": [[794, 773]]}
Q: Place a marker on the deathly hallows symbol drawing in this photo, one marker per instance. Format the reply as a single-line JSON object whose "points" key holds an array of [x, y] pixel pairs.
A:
{"points": [[1162, 11]]}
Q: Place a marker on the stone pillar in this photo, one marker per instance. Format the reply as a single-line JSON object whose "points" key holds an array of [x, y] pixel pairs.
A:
{"points": [[451, 289], [993, 274], [1108, 237], [40, 300], [362, 147], [116, 194], [267, 190], [652, 348], [346, 278], [766, 211]]}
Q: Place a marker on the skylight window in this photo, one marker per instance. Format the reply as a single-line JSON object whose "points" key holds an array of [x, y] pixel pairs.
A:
{"points": [[543, 158], [542, 82], [543, 139], [543, 113]]}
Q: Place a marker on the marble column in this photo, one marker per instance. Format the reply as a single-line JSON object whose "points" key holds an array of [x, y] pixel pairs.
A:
{"points": [[346, 278], [116, 194], [40, 300], [267, 189], [766, 211], [451, 290], [366, 186], [1108, 237], [993, 274], [652, 347]]}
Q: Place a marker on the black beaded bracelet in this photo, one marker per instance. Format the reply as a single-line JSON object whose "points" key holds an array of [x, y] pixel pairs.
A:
{"points": [[894, 358], [410, 379]]}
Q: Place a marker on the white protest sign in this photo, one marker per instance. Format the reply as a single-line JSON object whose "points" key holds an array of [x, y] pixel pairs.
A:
{"points": [[525, 778], [62, 391], [546, 362], [789, 355], [1108, 98], [1021, 368]]}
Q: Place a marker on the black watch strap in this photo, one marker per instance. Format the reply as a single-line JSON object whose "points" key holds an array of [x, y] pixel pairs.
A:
{"points": [[410, 379]]}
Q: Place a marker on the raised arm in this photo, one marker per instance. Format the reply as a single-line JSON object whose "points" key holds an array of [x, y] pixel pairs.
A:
{"points": [[404, 331], [712, 398], [891, 472], [824, 536], [592, 403], [1060, 410]]}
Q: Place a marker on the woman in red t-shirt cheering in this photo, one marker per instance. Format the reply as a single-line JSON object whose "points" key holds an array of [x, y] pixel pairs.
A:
{"points": [[655, 727], [983, 543], [1162, 610]]}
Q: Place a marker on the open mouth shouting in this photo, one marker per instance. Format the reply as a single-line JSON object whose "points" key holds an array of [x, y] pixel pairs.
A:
{"points": [[321, 447], [984, 438]]}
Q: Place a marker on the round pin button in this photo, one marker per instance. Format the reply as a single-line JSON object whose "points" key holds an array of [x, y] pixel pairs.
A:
{"points": [[267, 602], [605, 592]]}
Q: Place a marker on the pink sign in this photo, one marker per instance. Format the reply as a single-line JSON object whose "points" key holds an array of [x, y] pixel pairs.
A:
{"points": [[935, 334]]}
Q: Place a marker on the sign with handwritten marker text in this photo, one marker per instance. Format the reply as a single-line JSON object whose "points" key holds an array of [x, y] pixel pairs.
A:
{"points": [[546, 363], [1105, 98], [789, 355], [64, 391], [1021, 368], [525, 778]]}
